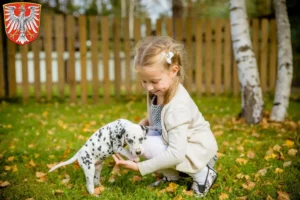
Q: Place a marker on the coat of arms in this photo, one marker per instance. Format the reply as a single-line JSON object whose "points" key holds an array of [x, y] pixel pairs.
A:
{"points": [[22, 21]]}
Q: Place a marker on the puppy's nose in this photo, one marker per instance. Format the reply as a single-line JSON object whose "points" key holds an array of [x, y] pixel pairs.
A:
{"points": [[138, 152]]}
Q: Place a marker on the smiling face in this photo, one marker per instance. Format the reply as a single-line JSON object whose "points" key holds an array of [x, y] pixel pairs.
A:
{"points": [[156, 79]]}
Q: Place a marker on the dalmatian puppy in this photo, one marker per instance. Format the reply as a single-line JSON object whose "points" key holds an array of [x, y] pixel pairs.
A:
{"points": [[106, 141]]}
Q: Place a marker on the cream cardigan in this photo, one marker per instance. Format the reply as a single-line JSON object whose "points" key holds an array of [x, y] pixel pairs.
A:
{"points": [[190, 141]]}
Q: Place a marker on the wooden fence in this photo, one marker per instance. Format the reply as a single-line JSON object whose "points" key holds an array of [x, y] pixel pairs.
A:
{"points": [[211, 68]]}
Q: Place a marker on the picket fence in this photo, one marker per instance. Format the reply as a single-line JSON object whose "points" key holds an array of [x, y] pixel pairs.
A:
{"points": [[101, 49]]}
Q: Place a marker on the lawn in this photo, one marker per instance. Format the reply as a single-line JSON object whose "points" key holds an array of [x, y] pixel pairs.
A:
{"points": [[255, 161]]}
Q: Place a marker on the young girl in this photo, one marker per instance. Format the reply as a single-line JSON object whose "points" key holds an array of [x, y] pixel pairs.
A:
{"points": [[181, 140]]}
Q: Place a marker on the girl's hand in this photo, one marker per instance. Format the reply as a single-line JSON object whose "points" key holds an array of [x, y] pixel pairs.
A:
{"points": [[125, 163], [144, 122]]}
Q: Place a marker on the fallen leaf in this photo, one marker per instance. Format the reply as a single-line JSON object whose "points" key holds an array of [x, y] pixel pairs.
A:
{"points": [[289, 143], [116, 170], [242, 198], [240, 148], [136, 178], [66, 180], [51, 165], [269, 198], [178, 197], [31, 163], [31, 146], [58, 192], [261, 172], [249, 185], [292, 152], [15, 168], [29, 199], [112, 178], [40, 174], [11, 158], [7, 168], [188, 192], [278, 170], [251, 154], [286, 164], [277, 148], [171, 187], [218, 133], [4, 184], [223, 196], [99, 190], [283, 195], [241, 161]]}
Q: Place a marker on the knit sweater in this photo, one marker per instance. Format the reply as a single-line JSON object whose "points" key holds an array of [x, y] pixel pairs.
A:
{"points": [[187, 134]]}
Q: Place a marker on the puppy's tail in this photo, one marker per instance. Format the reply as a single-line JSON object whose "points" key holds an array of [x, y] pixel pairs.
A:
{"points": [[71, 160]]}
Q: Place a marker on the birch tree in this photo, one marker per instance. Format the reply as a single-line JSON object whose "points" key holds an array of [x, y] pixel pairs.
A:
{"points": [[252, 101], [285, 62]]}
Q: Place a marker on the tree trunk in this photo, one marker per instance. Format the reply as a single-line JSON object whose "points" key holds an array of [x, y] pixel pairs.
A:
{"points": [[285, 63], [252, 101]]}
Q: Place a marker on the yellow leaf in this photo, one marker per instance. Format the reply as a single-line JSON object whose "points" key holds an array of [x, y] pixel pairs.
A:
{"points": [[14, 168], [240, 148], [249, 185], [58, 192], [11, 158], [292, 152], [32, 163], [289, 143], [269, 198], [136, 178], [51, 165], [31, 146], [7, 168], [112, 178], [242, 198], [45, 114], [116, 170], [4, 184], [277, 148], [218, 133], [99, 190], [171, 188], [29, 199], [178, 197], [283, 195], [278, 170], [251, 154], [40, 174], [188, 192], [241, 161], [223, 196]]}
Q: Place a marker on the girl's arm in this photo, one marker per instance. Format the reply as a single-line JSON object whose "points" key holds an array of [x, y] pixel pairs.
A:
{"points": [[176, 124]]}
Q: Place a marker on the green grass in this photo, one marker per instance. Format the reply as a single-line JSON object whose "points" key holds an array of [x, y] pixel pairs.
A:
{"points": [[46, 133]]}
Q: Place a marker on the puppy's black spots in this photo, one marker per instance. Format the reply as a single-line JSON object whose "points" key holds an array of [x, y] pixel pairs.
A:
{"points": [[104, 139]]}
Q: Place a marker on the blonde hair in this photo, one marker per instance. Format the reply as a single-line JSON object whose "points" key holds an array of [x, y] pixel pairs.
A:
{"points": [[152, 50]]}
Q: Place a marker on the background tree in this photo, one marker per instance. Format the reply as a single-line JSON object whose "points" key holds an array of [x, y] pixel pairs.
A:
{"points": [[285, 62], [252, 101]]}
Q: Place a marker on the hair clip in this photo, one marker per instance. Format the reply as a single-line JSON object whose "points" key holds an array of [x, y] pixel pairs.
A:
{"points": [[168, 56]]}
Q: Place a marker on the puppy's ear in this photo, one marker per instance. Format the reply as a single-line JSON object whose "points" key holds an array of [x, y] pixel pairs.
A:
{"points": [[145, 129]]}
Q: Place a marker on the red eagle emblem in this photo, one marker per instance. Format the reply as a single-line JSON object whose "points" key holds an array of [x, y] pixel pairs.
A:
{"points": [[22, 21]]}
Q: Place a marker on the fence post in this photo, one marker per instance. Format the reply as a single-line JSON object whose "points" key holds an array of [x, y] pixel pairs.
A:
{"points": [[94, 57], [118, 78], [60, 49], [137, 37], [263, 53], [105, 56], [24, 59], [127, 54], [227, 57], [273, 55], [71, 60], [199, 57], [218, 56], [48, 50], [82, 42], [208, 56]]}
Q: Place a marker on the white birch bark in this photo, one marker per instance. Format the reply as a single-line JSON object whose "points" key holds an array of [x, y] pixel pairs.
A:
{"points": [[252, 101], [285, 63]]}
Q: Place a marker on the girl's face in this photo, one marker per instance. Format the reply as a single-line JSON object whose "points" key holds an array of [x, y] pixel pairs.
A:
{"points": [[156, 79]]}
